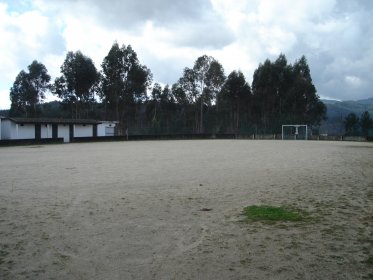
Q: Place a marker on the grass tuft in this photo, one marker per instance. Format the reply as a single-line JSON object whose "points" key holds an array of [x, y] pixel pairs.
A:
{"points": [[270, 213]]}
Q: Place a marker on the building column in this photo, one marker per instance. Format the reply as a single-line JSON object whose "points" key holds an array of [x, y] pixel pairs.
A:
{"points": [[54, 130], [37, 131], [71, 131], [94, 134]]}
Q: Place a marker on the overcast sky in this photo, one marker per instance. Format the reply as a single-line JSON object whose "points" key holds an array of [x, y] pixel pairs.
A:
{"points": [[169, 35]]}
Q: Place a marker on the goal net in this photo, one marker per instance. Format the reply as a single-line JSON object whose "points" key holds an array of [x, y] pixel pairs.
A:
{"points": [[294, 132]]}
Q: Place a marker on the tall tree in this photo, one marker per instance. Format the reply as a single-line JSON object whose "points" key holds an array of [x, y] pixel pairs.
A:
{"points": [[285, 93], [264, 93], [283, 78], [156, 102], [112, 81], [18, 95], [307, 105], [201, 84], [124, 81], [76, 85], [183, 106], [167, 105], [236, 93], [352, 124], [161, 108], [29, 89], [366, 123]]}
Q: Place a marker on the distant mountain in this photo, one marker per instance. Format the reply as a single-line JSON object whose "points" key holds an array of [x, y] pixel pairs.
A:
{"points": [[366, 101], [338, 110]]}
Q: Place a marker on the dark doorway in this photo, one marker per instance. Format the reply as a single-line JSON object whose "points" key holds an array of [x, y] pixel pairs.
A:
{"points": [[38, 131], [54, 130], [95, 130], [71, 129]]}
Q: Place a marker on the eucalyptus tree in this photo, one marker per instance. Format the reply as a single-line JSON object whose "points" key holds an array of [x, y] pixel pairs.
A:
{"points": [[285, 93], [29, 89], [168, 107], [155, 102], [307, 105], [161, 108], [352, 124], [76, 86], [235, 94], [366, 123], [264, 93], [124, 81], [201, 85]]}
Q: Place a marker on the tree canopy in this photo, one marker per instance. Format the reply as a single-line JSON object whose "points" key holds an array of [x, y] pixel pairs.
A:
{"points": [[201, 85], [285, 93], [124, 82], [202, 100], [366, 124], [29, 89], [76, 85], [234, 98]]}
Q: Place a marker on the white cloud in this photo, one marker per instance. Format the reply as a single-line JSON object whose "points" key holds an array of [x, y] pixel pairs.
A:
{"points": [[334, 35], [20, 36], [353, 81], [25, 36], [4, 99]]}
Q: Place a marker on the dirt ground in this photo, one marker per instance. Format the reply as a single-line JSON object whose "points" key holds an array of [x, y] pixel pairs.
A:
{"points": [[133, 210]]}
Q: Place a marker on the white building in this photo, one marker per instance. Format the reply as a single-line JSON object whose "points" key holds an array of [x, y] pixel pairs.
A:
{"points": [[43, 128]]}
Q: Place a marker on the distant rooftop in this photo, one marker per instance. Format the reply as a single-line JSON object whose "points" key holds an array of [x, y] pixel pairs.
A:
{"points": [[53, 121]]}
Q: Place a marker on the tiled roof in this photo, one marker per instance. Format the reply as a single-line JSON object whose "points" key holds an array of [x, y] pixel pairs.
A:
{"points": [[53, 121]]}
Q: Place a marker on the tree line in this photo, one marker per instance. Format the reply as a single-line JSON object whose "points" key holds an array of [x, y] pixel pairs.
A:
{"points": [[355, 126], [202, 100]]}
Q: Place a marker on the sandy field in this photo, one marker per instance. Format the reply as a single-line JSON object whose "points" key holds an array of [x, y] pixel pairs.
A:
{"points": [[134, 210]]}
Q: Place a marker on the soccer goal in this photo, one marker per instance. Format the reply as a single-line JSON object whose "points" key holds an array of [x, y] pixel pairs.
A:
{"points": [[294, 132]]}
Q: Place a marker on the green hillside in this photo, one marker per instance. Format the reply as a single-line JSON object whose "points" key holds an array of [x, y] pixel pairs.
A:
{"points": [[338, 110]]}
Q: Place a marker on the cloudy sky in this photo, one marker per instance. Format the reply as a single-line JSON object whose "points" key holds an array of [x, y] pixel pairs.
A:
{"points": [[336, 36]]}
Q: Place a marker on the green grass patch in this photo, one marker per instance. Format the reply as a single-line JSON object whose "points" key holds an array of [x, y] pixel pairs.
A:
{"points": [[270, 213]]}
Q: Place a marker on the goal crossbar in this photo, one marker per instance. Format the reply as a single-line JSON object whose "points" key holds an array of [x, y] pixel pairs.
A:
{"points": [[296, 133]]}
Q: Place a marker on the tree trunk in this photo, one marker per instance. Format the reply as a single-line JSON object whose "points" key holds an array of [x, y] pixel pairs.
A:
{"points": [[76, 109], [117, 107], [201, 117], [196, 121], [155, 112], [201, 113], [232, 116], [238, 117]]}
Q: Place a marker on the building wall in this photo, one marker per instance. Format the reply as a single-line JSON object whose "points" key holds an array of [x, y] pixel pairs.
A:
{"points": [[104, 128], [9, 130], [64, 132], [5, 130], [46, 131], [25, 131], [83, 130]]}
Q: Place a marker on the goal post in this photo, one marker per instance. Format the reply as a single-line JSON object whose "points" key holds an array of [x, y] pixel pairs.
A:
{"points": [[294, 132]]}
